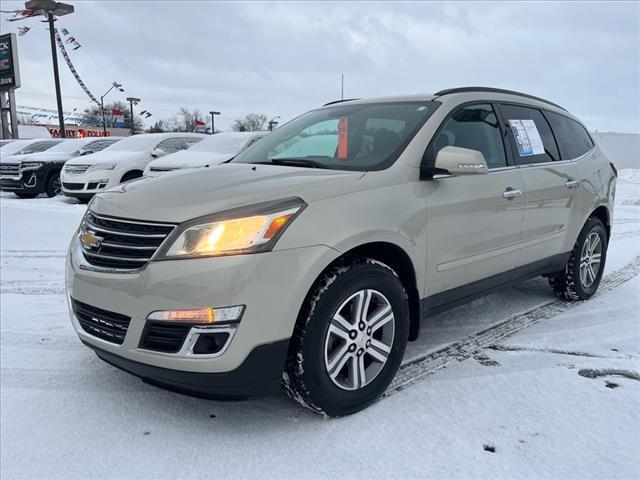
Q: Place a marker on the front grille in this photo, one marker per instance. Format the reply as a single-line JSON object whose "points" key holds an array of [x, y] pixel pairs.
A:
{"points": [[73, 186], [164, 337], [120, 243], [75, 169], [10, 170], [106, 325]]}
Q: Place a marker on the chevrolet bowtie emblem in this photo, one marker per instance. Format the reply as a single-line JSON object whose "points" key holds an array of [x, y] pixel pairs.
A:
{"points": [[90, 240]]}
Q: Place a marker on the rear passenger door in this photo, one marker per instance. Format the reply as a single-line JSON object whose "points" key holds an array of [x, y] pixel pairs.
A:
{"points": [[474, 222], [549, 182]]}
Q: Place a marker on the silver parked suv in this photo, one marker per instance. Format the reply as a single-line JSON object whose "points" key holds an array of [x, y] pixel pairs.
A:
{"points": [[311, 257]]}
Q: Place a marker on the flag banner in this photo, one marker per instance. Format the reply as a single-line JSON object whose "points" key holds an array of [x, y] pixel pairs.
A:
{"points": [[65, 32], [65, 55], [199, 122], [116, 112], [23, 31]]}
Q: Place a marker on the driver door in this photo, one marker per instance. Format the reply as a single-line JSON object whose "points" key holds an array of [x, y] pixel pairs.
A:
{"points": [[474, 222]]}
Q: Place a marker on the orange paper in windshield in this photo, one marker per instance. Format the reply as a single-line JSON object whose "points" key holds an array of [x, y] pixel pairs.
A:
{"points": [[343, 138]]}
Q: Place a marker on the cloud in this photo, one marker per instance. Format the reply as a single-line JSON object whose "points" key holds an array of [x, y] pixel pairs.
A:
{"points": [[285, 58]]}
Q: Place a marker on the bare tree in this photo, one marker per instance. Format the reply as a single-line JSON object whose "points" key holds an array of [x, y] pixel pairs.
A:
{"points": [[184, 121], [254, 122]]}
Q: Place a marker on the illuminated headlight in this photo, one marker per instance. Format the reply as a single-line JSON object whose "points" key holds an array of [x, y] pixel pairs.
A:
{"points": [[200, 316], [102, 166], [30, 165], [247, 230]]}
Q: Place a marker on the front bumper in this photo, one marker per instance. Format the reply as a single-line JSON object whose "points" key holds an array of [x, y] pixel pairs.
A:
{"points": [[86, 184], [27, 182], [272, 286]]}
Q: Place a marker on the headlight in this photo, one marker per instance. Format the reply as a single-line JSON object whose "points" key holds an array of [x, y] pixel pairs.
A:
{"points": [[30, 165], [246, 230], [102, 166]]}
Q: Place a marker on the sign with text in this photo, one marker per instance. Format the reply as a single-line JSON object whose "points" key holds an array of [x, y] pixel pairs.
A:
{"points": [[9, 71]]}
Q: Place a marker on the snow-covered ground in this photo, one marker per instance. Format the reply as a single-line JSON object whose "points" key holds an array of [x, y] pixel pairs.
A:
{"points": [[557, 399]]}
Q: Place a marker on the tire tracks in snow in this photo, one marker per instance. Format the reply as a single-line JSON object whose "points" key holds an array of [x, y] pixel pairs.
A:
{"points": [[429, 363]]}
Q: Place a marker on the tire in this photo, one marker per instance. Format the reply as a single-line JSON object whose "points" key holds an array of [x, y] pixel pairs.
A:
{"points": [[579, 280], [54, 187], [316, 372], [131, 176], [26, 195]]}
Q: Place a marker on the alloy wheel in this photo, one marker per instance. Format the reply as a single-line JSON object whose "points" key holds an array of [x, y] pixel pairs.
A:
{"points": [[359, 339], [590, 259]]}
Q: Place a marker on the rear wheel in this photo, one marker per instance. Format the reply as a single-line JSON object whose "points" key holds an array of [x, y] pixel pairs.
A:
{"points": [[54, 186], [349, 340], [583, 273]]}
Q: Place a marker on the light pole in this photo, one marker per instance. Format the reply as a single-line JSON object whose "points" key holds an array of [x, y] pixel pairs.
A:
{"points": [[273, 122], [213, 122], [132, 101], [51, 9], [104, 122]]}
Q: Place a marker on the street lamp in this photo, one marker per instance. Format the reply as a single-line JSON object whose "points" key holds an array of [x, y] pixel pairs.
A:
{"points": [[104, 122], [273, 122], [51, 9], [213, 123], [132, 101]]}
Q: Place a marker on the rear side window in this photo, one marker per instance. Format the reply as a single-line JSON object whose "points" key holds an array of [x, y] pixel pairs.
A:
{"points": [[474, 127], [172, 145], [531, 135], [573, 138]]}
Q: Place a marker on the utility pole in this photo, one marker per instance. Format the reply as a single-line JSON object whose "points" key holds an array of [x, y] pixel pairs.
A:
{"points": [[132, 101], [51, 9], [342, 86], [213, 123]]}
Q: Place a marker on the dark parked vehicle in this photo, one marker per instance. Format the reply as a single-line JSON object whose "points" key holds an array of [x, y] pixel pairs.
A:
{"points": [[36, 168]]}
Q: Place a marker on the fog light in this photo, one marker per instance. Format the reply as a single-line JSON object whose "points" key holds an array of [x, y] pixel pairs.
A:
{"points": [[206, 315]]}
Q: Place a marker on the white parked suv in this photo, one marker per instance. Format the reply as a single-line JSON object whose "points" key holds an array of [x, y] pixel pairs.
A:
{"points": [[314, 270], [85, 176], [212, 150]]}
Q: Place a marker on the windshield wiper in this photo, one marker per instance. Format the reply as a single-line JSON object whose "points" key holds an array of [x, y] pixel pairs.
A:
{"points": [[299, 162]]}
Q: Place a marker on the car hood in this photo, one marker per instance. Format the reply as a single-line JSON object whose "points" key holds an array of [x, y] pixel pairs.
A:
{"points": [[115, 156], [45, 157], [15, 158], [187, 159], [187, 194]]}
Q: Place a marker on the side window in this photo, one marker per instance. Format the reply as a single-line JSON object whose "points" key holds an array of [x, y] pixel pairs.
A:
{"points": [[573, 138], [474, 127], [531, 135], [173, 145]]}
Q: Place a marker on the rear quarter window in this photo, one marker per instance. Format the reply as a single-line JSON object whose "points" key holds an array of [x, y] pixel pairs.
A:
{"points": [[572, 136]]}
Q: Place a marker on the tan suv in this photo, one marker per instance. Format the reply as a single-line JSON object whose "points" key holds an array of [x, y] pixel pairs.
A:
{"points": [[311, 257]]}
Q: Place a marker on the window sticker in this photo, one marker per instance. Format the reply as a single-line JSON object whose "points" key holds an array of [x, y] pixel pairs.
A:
{"points": [[343, 138], [527, 137]]}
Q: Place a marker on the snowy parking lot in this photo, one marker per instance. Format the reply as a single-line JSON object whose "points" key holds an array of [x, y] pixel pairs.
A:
{"points": [[516, 384]]}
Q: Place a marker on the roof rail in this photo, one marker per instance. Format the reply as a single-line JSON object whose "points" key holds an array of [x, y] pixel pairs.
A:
{"points": [[340, 101], [493, 90]]}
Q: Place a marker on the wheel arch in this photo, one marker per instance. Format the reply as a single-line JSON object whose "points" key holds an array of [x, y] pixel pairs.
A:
{"points": [[133, 170], [602, 213]]}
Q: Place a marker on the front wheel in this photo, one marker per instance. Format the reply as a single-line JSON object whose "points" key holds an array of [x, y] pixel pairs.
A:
{"points": [[581, 277], [54, 186], [349, 340]]}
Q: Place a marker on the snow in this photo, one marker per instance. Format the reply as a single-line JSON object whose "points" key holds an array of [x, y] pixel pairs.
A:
{"points": [[529, 396]]}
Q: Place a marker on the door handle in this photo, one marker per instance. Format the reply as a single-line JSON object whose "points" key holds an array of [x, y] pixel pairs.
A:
{"points": [[571, 183], [510, 193]]}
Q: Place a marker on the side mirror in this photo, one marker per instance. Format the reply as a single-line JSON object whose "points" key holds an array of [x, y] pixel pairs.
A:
{"points": [[461, 161], [86, 152], [158, 152]]}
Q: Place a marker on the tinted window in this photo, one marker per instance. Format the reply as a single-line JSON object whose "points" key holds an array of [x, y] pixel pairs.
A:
{"points": [[474, 127], [347, 137], [532, 142], [573, 138], [172, 145]]}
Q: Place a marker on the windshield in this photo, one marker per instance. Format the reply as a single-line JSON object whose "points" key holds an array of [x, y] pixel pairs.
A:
{"points": [[137, 143], [361, 137], [227, 143], [39, 146], [68, 146]]}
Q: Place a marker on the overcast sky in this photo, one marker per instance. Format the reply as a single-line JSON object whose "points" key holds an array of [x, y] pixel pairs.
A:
{"points": [[286, 58]]}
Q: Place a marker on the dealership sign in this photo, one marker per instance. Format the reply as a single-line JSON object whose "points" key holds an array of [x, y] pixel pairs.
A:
{"points": [[75, 131], [9, 71]]}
